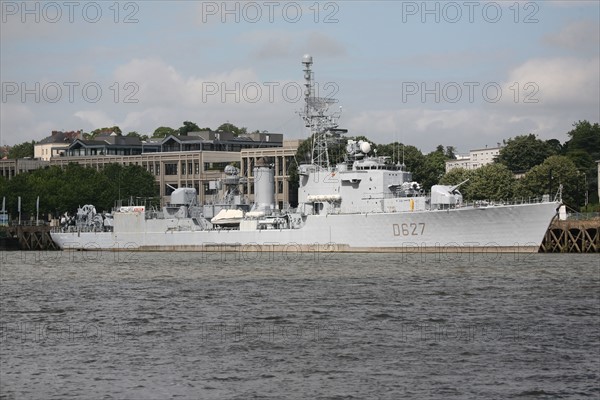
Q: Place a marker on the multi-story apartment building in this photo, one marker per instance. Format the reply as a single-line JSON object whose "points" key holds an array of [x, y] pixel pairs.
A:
{"points": [[477, 158]]}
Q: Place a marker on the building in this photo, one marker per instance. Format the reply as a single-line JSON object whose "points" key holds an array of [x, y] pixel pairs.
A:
{"points": [[458, 162], [220, 141], [170, 169], [110, 145], [477, 158], [194, 160], [55, 145], [11, 167]]}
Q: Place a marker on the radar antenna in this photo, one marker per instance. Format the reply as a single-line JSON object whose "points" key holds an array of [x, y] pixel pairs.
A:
{"points": [[322, 125]]}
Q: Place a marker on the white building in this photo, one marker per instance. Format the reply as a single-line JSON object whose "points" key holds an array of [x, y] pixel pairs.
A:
{"points": [[476, 158], [54, 145]]}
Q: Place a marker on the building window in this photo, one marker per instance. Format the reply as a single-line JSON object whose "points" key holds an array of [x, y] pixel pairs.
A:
{"points": [[170, 168], [215, 166], [196, 168], [183, 168]]}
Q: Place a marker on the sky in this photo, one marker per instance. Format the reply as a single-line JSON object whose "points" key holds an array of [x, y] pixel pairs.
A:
{"points": [[467, 74]]}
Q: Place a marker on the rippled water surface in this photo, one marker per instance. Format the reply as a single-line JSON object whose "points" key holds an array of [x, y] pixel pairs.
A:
{"points": [[192, 325]]}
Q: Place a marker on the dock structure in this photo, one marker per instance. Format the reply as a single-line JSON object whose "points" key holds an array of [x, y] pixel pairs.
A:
{"points": [[572, 236], [31, 237]]}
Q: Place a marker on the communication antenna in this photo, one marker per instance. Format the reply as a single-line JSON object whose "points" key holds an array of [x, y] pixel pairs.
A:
{"points": [[322, 125]]}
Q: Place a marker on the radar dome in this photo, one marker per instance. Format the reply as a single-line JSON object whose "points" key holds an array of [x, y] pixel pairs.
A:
{"points": [[365, 147], [307, 59]]}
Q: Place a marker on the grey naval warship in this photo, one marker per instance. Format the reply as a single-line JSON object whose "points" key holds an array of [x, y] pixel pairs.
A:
{"points": [[364, 204]]}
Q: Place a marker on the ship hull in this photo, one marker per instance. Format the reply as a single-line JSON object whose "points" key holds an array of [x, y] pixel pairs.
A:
{"points": [[514, 228]]}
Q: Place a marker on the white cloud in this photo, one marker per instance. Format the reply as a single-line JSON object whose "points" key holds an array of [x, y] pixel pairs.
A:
{"points": [[18, 123], [564, 83], [167, 98]]}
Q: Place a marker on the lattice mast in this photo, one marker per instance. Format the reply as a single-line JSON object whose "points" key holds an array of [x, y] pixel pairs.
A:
{"points": [[316, 117]]}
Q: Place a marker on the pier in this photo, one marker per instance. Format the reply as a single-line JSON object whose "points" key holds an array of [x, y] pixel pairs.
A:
{"points": [[27, 237], [572, 236]]}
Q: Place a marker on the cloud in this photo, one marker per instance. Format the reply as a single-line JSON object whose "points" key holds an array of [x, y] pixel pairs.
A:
{"points": [[320, 44], [570, 3], [565, 83], [95, 118], [282, 44], [166, 97], [566, 90], [582, 36], [464, 128], [18, 123]]}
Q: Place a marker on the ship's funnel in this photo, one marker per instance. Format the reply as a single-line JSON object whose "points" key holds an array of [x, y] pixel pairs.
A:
{"points": [[264, 187]]}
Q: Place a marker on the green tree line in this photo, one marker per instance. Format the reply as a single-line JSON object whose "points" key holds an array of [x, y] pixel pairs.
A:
{"points": [[65, 189]]}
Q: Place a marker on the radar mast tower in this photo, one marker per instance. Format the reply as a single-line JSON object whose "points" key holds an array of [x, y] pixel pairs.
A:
{"points": [[322, 125]]}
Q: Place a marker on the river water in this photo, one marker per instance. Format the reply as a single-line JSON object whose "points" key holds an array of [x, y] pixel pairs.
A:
{"points": [[330, 326]]}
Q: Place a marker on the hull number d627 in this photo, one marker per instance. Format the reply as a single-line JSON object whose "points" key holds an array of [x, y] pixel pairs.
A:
{"points": [[412, 229]]}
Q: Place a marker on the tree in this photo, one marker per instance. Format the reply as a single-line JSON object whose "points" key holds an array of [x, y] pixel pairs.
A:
{"points": [[137, 135], [450, 152], [459, 175], [65, 189], [413, 160], [22, 150], [125, 182], [492, 182], [228, 127], [555, 145], [583, 148], [584, 136], [389, 150], [105, 131], [187, 128], [4, 150], [163, 131], [432, 168], [546, 178], [523, 152]]}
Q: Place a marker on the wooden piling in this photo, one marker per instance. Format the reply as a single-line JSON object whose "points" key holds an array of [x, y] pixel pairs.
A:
{"points": [[32, 237], [572, 236]]}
